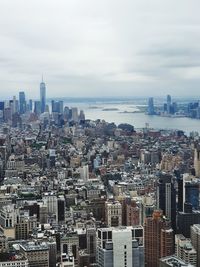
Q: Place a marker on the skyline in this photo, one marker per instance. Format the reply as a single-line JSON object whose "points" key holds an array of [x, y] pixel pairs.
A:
{"points": [[101, 49]]}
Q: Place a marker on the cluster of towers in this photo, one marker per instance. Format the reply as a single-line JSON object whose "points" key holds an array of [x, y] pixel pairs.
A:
{"points": [[39, 105]]}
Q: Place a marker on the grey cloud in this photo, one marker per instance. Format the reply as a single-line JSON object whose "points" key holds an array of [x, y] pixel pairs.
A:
{"points": [[96, 48]]}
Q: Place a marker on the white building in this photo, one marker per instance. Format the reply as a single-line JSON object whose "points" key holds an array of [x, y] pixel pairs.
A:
{"points": [[122, 246]]}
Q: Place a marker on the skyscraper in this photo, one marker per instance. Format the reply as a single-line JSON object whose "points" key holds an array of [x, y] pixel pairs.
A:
{"points": [[42, 96], [197, 161], [22, 103], [166, 197], [169, 101], [159, 239], [195, 239], [151, 106], [123, 246], [57, 106]]}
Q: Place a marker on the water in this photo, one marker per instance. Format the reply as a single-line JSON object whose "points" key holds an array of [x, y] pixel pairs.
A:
{"points": [[95, 110]]}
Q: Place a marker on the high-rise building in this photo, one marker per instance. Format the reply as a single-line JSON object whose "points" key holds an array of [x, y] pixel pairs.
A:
{"points": [[74, 116], [43, 96], [151, 110], [22, 103], [166, 197], [159, 239], [197, 161], [195, 239], [123, 246], [14, 105], [57, 106], [186, 219], [91, 243], [37, 107], [184, 250], [30, 105], [169, 101], [191, 187], [61, 209], [82, 116]]}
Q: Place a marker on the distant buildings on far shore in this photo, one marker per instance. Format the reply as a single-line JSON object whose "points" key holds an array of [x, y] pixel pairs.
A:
{"points": [[172, 109]]}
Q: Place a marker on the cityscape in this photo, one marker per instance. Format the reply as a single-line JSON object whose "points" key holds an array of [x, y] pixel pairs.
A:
{"points": [[100, 156], [172, 109], [80, 192]]}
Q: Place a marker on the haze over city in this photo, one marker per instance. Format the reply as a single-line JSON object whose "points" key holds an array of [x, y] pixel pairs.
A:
{"points": [[100, 48]]}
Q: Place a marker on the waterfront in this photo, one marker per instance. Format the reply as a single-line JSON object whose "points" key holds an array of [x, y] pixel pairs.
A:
{"points": [[127, 112]]}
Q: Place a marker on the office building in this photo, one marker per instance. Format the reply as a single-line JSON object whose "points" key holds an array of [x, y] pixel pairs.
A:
{"points": [[159, 239], [195, 239], [61, 209], [186, 219], [42, 96], [22, 103], [69, 244], [169, 100], [2, 105], [91, 243], [166, 197], [122, 246], [30, 105], [82, 116], [113, 213], [184, 250], [191, 186], [37, 253], [74, 114], [197, 161], [37, 107], [57, 106], [151, 110], [8, 219]]}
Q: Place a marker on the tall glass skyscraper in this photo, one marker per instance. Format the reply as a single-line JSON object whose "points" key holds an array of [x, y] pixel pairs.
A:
{"points": [[42, 96], [151, 106], [22, 103]]}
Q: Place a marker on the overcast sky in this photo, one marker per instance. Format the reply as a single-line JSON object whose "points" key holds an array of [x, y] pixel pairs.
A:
{"points": [[100, 47]]}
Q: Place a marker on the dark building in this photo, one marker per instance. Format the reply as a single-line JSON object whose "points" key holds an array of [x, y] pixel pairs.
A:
{"points": [[61, 209], [166, 197], [33, 209], [97, 208], [186, 219], [180, 193], [192, 194], [91, 243]]}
